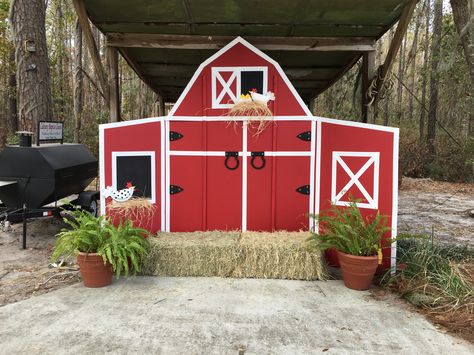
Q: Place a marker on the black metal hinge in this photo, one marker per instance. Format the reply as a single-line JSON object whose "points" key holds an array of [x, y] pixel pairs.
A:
{"points": [[175, 189], [174, 136], [305, 136], [303, 189]]}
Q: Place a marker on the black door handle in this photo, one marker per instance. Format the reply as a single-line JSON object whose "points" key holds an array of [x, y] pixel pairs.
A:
{"points": [[228, 156], [254, 157]]}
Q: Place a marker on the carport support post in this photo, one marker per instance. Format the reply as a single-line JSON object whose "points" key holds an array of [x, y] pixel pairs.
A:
{"points": [[368, 71], [113, 78], [162, 106]]}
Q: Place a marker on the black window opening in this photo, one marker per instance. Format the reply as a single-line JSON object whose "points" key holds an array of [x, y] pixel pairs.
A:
{"points": [[137, 171], [251, 80]]}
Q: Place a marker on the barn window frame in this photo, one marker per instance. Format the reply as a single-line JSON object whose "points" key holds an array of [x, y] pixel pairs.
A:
{"points": [[235, 71], [373, 160], [150, 154]]}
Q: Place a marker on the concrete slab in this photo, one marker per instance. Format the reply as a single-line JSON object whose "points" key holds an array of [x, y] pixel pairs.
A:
{"points": [[146, 315]]}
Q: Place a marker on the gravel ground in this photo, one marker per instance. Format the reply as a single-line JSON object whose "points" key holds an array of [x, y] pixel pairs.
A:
{"points": [[441, 208]]}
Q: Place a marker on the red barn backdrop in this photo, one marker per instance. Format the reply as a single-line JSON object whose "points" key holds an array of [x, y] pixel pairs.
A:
{"points": [[207, 170]]}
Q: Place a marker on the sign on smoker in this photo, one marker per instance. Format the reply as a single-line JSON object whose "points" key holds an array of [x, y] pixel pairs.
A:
{"points": [[49, 131]]}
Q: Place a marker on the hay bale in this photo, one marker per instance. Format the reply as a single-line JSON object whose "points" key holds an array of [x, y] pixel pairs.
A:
{"points": [[193, 254], [280, 255]]}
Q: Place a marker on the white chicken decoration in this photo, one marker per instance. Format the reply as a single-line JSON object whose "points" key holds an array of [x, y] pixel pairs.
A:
{"points": [[120, 195], [262, 99], [254, 96]]}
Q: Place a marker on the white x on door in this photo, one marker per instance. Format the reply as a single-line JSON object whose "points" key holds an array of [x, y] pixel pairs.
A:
{"points": [[337, 195]]}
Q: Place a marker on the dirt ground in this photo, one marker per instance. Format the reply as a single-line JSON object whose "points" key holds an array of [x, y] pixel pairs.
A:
{"points": [[459, 322], [25, 273], [444, 210], [424, 206], [441, 208]]}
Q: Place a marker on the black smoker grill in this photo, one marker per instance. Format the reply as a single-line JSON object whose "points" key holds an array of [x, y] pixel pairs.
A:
{"points": [[32, 177]]}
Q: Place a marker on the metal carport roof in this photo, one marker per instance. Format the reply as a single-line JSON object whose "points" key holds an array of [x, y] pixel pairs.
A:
{"points": [[315, 41]]}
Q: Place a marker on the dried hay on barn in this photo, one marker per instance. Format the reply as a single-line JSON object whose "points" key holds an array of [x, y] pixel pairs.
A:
{"points": [[259, 116], [138, 209], [279, 255]]}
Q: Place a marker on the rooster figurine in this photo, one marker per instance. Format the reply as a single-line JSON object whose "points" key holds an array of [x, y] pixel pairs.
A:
{"points": [[120, 195], [262, 99]]}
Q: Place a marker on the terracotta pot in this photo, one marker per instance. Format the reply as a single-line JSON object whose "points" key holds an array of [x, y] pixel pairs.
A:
{"points": [[357, 271], [93, 270]]}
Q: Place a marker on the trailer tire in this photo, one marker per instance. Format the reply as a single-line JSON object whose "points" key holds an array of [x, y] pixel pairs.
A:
{"points": [[93, 208], [88, 201]]}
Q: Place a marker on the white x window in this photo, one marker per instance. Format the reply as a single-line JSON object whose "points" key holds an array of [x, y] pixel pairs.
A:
{"points": [[373, 159], [226, 91]]}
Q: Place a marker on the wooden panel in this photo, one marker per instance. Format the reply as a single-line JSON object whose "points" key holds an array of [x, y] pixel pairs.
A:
{"points": [[147, 40]]}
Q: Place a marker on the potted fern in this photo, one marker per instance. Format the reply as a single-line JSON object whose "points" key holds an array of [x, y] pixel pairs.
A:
{"points": [[101, 247], [356, 239]]}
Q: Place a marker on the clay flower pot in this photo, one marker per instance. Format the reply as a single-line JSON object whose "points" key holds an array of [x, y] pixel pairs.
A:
{"points": [[93, 270], [357, 271]]}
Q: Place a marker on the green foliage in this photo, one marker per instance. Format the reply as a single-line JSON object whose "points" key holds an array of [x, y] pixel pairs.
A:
{"points": [[451, 163], [4, 8], [6, 46], [469, 153], [86, 234], [409, 243], [89, 136], [436, 274], [123, 246], [13, 139], [346, 230]]}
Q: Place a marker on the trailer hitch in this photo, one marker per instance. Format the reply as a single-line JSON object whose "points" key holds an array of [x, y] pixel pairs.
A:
{"points": [[254, 156], [228, 156]]}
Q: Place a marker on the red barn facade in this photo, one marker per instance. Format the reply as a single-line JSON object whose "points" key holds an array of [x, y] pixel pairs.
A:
{"points": [[206, 170]]}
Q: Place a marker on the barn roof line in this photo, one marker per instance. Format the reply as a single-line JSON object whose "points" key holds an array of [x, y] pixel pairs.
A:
{"points": [[240, 40]]}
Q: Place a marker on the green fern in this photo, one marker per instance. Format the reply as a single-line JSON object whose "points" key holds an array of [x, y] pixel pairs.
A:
{"points": [[86, 234], [123, 246], [126, 247], [347, 231]]}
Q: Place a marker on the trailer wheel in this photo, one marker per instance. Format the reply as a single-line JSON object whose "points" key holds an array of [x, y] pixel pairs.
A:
{"points": [[93, 208]]}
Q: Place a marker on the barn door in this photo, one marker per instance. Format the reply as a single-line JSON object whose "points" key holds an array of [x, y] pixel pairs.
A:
{"points": [[358, 162], [279, 176], [139, 162], [205, 176]]}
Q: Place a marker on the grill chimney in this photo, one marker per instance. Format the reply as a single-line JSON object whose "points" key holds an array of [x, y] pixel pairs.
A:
{"points": [[25, 138]]}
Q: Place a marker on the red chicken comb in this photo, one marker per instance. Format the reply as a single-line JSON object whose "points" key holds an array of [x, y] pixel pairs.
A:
{"points": [[253, 90], [129, 185]]}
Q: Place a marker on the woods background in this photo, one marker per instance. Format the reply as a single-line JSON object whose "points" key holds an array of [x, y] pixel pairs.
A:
{"points": [[429, 96]]}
